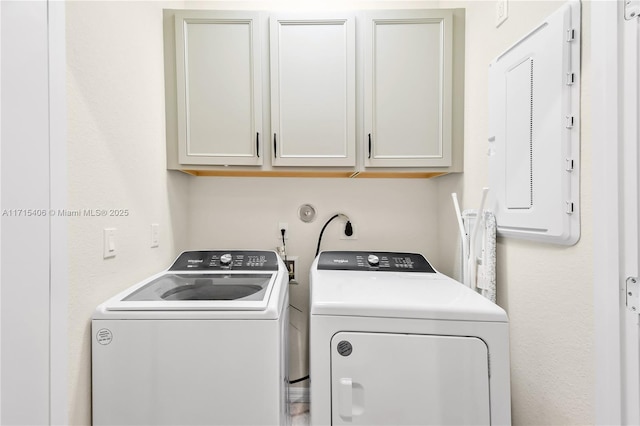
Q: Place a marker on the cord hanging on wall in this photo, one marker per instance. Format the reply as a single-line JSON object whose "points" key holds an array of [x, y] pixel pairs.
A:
{"points": [[348, 229]]}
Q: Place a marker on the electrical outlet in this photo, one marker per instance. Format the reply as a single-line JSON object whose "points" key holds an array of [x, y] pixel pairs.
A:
{"points": [[502, 11], [285, 226], [343, 236]]}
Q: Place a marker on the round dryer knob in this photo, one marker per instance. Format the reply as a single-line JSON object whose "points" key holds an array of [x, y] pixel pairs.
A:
{"points": [[225, 259], [373, 260]]}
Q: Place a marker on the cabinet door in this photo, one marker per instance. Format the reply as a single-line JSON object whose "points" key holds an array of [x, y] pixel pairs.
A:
{"points": [[312, 90], [408, 88], [219, 87]]}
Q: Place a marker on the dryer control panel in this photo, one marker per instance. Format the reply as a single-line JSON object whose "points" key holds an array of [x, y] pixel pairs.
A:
{"points": [[239, 260], [373, 261]]}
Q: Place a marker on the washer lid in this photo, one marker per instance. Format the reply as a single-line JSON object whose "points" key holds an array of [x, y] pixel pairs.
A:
{"points": [[398, 295], [177, 286], [181, 290]]}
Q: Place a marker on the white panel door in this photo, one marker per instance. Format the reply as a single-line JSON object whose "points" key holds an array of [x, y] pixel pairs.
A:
{"points": [[313, 90], [615, 66], [403, 379], [630, 127], [26, 324], [219, 87], [408, 88]]}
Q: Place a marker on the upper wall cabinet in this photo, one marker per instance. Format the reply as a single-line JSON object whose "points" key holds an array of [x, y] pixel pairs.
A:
{"points": [[313, 101], [265, 93], [408, 72], [219, 91]]}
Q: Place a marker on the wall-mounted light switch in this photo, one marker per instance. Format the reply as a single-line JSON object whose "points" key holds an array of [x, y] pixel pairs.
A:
{"points": [[502, 11], [155, 235], [109, 243]]}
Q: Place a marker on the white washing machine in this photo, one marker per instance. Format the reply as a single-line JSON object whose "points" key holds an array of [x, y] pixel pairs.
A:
{"points": [[394, 342], [203, 342]]}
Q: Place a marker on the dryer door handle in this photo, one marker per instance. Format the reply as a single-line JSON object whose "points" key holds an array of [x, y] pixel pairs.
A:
{"points": [[345, 398]]}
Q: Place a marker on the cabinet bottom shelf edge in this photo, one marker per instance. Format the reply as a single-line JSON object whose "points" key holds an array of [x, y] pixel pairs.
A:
{"points": [[313, 174]]}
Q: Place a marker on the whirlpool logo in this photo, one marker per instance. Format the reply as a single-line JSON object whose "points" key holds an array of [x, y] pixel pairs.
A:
{"points": [[340, 261]]}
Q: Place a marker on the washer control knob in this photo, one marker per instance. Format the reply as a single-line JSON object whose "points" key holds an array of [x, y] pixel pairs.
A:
{"points": [[373, 260], [225, 259]]}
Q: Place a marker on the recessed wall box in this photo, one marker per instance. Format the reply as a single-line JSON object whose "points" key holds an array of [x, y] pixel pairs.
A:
{"points": [[534, 132]]}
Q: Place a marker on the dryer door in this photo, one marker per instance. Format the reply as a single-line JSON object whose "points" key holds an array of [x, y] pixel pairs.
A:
{"points": [[409, 379]]}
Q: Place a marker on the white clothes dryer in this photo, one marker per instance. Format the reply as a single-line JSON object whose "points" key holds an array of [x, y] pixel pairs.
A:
{"points": [[394, 342], [203, 342]]}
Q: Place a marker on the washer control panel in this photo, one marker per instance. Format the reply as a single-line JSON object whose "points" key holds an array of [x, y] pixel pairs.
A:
{"points": [[373, 261], [226, 260]]}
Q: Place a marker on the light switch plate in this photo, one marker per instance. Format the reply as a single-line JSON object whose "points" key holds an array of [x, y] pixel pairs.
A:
{"points": [[109, 243], [155, 235], [502, 11]]}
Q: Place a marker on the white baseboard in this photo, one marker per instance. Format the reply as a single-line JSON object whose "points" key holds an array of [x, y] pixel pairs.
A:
{"points": [[299, 394]]}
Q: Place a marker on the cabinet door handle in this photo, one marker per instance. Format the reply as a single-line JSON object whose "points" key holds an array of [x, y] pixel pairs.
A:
{"points": [[369, 145], [258, 144], [275, 146]]}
